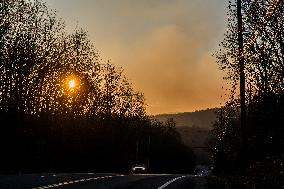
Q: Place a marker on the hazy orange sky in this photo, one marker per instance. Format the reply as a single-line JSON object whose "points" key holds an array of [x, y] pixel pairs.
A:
{"points": [[164, 46]]}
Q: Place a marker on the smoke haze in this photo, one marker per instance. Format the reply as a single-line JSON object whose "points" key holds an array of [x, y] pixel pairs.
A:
{"points": [[164, 46]]}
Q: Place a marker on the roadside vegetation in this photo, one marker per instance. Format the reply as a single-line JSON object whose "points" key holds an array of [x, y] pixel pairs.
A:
{"points": [[262, 164], [64, 109]]}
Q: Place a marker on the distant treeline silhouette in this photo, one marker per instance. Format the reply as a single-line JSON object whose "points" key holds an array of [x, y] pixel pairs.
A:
{"points": [[264, 71], [62, 108]]}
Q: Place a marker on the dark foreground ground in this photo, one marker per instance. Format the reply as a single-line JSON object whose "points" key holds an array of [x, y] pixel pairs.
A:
{"points": [[102, 181]]}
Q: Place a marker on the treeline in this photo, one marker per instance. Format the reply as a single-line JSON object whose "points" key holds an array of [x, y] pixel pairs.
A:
{"points": [[264, 71], [62, 108]]}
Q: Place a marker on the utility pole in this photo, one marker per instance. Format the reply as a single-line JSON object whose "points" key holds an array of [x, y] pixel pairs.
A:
{"points": [[148, 154], [137, 150], [242, 85]]}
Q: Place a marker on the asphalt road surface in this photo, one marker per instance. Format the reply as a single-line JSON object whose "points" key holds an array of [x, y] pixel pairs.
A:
{"points": [[102, 181]]}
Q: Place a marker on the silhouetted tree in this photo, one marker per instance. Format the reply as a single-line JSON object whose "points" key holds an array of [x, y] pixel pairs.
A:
{"points": [[63, 109], [263, 55]]}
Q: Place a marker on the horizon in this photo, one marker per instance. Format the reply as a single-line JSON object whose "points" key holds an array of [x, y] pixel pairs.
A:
{"points": [[173, 113]]}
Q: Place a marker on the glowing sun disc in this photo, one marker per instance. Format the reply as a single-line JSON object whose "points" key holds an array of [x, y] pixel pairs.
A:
{"points": [[72, 83]]}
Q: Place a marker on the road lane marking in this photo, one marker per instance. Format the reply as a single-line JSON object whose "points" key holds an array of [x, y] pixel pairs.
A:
{"points": [[74, 181], [170, 181], [152, 174]]}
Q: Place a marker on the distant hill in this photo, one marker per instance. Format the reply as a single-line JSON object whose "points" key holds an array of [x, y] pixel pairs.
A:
{"points": [[197, 137], [194, 130], [202, 119]]}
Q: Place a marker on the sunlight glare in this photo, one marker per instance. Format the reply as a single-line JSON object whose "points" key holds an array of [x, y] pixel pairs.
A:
{"points": [[72, 83]]}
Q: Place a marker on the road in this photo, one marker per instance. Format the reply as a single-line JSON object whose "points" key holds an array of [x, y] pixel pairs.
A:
{"points": [[102, 181]]}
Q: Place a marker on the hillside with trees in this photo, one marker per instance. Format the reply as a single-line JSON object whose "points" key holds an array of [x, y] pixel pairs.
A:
{"points": [[194, 128], [202, 118]]}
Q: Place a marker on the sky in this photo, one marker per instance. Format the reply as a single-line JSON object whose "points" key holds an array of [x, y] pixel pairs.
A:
{"points": [[164, 46]]}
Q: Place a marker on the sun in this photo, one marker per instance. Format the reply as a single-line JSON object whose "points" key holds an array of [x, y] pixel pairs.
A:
{"points": [[72, 84]]}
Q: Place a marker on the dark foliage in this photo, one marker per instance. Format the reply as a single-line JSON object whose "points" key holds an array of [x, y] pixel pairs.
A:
{"points": [[263, 36], [95, 123]]}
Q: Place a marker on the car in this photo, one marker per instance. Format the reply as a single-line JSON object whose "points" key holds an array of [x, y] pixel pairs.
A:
{"points": [[139, 169]]}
